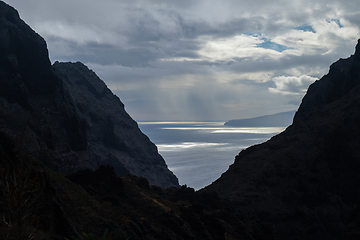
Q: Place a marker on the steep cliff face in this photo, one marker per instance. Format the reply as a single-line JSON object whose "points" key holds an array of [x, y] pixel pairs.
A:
{"points": [[32, 104], [113, 137], [306, 181], [69, 124]]}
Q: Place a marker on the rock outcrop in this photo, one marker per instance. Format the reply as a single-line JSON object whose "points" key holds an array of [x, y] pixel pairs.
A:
{"points": [[305, 181], [72, 123], [113, 137]]}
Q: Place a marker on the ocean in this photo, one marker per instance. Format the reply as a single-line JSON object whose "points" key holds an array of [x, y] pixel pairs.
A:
{"points": [[199, 152]]}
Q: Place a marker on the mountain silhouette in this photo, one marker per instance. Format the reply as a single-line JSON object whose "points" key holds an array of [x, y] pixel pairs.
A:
{"points": [[305, 180], [64, 114]]}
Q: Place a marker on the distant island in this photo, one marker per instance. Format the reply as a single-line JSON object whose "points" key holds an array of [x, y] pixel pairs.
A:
{"points": [[274, 120]]}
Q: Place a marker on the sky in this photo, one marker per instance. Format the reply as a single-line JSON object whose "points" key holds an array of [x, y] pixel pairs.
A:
{"points": [[199, 60]]}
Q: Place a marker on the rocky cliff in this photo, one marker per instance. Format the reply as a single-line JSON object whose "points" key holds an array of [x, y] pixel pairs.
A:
{"points": [[113, 137], [305, 181], [64, 114]]}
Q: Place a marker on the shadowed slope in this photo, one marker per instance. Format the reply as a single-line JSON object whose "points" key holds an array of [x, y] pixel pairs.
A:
{"points": [[67, 124], [306, 179]]}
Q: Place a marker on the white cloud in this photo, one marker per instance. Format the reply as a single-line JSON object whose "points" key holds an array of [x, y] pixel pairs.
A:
{"points": [[227, 49], [291, 84], [328, 36]]}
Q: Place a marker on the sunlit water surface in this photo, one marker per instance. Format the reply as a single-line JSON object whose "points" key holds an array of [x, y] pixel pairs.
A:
{"points": [[199, 152]]}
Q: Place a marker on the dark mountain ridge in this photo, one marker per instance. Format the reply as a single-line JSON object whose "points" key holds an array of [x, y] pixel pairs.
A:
{"points": [[306, 181], [113, 137], [64, 114]]}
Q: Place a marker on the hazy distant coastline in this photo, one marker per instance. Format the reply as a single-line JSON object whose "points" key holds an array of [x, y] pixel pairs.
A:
{"points": [[199, 152], [274, 120]]}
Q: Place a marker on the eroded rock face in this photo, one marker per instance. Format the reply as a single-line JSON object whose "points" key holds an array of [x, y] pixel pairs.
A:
{"points": [[113, 137], [306, 180], [32, 104], [72, 123]]}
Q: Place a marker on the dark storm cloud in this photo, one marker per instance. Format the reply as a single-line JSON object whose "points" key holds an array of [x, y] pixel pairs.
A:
{"points": [[353, 18], [199, 59], [230, 28], [107, 54], [264, 85]]}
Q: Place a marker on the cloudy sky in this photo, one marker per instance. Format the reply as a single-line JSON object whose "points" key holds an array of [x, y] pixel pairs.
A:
{"points": [[197, 59]]}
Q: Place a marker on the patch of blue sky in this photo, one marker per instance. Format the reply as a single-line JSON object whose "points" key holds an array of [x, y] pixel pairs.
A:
{"points": [[253, 34], [337, 21], [268, 44], [306, 28]]}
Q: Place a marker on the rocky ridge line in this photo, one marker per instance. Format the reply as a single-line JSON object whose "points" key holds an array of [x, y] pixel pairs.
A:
{"points": [[305, 181], [39, 109]]}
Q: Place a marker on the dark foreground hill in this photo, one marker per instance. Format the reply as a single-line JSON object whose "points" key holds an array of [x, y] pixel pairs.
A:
{"points": [[282, 119], [39, 203], [305, 182], [64, 114]]}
